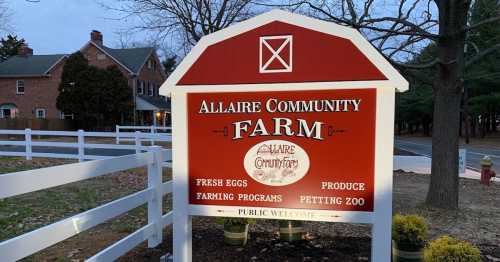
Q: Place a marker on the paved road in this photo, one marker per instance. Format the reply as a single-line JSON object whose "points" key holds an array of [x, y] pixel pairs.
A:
{"points": [[65, 150], [474, 153]]}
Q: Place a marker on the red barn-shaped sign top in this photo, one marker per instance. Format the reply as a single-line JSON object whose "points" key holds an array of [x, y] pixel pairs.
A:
{"points": [[279, 52], [279, 47]]}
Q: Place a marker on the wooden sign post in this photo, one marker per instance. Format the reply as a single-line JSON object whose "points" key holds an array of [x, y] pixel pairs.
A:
{"points": [[284, 117]]}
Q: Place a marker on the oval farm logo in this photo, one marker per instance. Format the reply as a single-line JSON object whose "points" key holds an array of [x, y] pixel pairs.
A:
{"points": [[276, 163]]}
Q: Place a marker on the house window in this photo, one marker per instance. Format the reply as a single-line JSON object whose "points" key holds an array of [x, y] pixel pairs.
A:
{"points": [[140, 87], [150, 64], [40, 113], [101, 56], [8, 111], [66, 115], [20, 87], [150, 89]]}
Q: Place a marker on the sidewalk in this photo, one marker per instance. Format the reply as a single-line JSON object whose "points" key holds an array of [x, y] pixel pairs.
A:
{"points": [[422, 165]]}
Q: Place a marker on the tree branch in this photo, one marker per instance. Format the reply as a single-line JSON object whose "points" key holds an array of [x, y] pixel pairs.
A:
{"points": [[484, 22], [482, 54], [416, 66]]}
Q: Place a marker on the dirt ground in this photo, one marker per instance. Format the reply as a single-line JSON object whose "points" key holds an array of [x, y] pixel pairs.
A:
{"points": [[476, 222]]}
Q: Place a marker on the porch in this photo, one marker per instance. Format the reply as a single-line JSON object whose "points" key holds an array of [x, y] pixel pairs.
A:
{"points": [[152, 111]]}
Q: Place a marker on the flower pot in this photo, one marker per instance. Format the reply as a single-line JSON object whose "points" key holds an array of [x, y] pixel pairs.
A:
{"points": [[291, 230], [236, 235], [413, 254]]}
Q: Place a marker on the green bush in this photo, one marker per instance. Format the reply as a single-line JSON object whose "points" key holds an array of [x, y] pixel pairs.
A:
{"points": [[409, 232], [235, 221], [448, 249]]}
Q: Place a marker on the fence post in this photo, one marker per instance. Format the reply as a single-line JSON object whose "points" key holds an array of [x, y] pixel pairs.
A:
{"points": [[81, 145], [117, 131], [152, 134], [27, 139], [155, 209], [138, 143]]}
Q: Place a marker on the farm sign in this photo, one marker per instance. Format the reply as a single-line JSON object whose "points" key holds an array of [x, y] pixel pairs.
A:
{"points": [[282, 149], [283, 117]]}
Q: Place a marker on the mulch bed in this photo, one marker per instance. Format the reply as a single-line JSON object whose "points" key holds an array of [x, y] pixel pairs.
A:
{"points": [[264, 245]]}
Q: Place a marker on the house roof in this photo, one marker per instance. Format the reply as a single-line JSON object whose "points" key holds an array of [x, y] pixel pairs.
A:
{"points": [[159, 102], [33, 65], [132, 58]]}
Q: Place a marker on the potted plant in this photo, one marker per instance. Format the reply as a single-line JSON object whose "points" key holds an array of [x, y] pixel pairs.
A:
{"points": [[448, 249], [235, 230], [291, 230], [409, 234]]}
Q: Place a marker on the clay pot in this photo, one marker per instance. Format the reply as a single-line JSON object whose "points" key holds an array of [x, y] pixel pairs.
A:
{"points": [[406, 254], [236, 235], [291, 230]]}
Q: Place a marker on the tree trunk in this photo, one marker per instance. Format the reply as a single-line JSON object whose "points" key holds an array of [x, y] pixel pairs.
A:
{"points": [[426, 127], [487, 123], [467, 128], [495, 126], [492, 121], [460, 125], [474, 126], [466, 114], [483, 125], [443, 188]]}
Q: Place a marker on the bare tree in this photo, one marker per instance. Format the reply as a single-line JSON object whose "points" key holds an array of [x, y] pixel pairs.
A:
{"points": [[399, 30], [164, 51], [128, 41], [183, 21], [5, 17]]}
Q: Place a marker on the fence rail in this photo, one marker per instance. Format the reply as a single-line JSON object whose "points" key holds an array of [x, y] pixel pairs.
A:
{"points": [[150, 129], [80, 144], [29, 181]]}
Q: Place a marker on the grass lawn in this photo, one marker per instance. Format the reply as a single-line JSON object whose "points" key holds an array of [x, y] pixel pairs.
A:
{"points": [[15, 164]]}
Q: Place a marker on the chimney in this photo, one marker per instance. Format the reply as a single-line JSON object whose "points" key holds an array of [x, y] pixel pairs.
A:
{"points": [[24, 50], [96, 37]]}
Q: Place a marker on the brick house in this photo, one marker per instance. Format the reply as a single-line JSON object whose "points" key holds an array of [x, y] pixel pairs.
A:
{"points": [[29, 83]]}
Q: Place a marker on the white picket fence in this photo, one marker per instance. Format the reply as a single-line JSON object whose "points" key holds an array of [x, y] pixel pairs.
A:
{"points": [[18, 183], [80, 144], [150, 129]]}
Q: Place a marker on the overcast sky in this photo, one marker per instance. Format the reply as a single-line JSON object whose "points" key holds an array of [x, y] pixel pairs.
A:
{"points": [[63, 26]]}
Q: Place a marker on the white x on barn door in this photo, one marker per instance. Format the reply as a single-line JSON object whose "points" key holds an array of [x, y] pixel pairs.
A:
{"points": [[276, 54]]}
